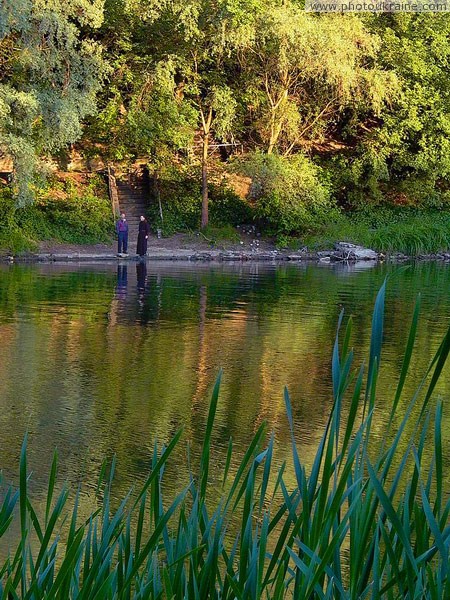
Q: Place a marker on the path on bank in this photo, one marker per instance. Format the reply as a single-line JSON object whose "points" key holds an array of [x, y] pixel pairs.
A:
{"points": [[192, 247]]}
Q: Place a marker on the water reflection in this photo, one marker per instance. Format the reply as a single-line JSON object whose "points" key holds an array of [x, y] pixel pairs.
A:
{"points": [[122, 281], [101, 359]]}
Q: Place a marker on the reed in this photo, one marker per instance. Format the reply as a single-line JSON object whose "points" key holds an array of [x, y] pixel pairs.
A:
{"points": [[366, 520], [413, 233]]}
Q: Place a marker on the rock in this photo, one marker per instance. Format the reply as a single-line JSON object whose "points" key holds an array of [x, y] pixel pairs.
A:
{"points": [[346, 251], [399, 256]]}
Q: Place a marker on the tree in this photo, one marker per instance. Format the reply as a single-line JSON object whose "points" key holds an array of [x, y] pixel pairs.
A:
{"points": [[289, 192], [305, 70], [413, 141], [49, 76], [200, 39]]}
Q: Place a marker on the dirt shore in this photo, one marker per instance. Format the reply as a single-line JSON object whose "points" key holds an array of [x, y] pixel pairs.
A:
{"points": [[194, 247], [188, 247]]}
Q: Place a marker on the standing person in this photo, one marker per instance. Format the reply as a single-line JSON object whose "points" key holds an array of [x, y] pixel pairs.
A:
{"points": [[122, 235], [144, 231]]}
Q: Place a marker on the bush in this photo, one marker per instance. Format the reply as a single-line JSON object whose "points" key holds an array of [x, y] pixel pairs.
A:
{"points": [[227, 208], [365, 180], [180, 213], [12, 237], [358, 181], [62, 211], [181, 203], [290, 194]]}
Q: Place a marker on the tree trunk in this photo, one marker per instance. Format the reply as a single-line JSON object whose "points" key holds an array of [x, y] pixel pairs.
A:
{"points": [[158, 195], [276, 126], [205, 216], [276, 118]]}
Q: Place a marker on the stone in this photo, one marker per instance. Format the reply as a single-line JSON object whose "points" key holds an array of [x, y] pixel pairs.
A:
{"points": [[346, 251]]}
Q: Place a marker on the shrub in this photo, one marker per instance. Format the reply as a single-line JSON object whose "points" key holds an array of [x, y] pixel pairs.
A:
{"points": [[227, 208], [290, 194], [358, 181], [62, 211], [181, 204]]}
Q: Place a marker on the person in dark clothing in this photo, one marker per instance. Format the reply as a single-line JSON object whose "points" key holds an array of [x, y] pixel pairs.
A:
{"points": [[122, 235], [144, 231]]}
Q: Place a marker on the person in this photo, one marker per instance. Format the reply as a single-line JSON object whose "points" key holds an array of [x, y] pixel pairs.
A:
{"points": [[144, 231], [122, 235]]}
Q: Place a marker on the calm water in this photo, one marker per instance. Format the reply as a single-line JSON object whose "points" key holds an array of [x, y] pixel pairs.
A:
{"points": [[102, 359]]}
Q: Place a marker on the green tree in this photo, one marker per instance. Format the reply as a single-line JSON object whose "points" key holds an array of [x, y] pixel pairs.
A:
{"points": [[290, 193], [50, 73], [201, 38], [409, 153], [304, 71]]}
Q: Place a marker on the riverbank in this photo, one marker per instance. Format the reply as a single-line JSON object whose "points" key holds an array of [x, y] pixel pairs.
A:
{"points": [[192, 247], [78, 225]]}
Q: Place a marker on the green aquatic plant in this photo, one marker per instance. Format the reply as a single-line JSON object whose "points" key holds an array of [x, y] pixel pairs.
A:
{"points": [[411, 232], [368, 519]]}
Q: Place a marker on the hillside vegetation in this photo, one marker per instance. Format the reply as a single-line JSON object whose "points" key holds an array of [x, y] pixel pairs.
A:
{"points": [[323, 115]]}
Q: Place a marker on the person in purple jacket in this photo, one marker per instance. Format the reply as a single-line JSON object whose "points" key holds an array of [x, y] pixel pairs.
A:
{"points": [[122, 235]]}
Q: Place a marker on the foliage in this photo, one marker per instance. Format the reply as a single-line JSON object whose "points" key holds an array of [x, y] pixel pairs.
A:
{"points": [[360, 179], [304, 71], [290, 194], [368, 520], [227, 208], [190, 81], [180, 197], [410, 231], [51, 72], [405, 151], [152, 122], [62, 212]]}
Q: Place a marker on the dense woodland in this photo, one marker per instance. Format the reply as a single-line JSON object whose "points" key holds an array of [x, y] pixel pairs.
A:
{"points": [[253, 109]]}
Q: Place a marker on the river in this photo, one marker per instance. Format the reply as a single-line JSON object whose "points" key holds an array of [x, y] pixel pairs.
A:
{"points": [[102, 359]]}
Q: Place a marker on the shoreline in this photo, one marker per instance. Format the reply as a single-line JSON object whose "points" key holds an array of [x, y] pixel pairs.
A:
{"points": [[186, 248], [193, 256]]}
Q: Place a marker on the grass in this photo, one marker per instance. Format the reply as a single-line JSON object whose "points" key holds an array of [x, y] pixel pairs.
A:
{"points": [[367, 520], [214, 234], [408, 231]]}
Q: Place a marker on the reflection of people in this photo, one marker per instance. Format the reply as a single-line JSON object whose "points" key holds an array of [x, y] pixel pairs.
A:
{"points": [[122, 235], [141, 275], [144, 231], [122, 281]]}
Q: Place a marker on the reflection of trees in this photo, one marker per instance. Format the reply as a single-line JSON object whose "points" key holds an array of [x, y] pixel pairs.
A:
{"points": [[203, 358], [93, 384]]}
